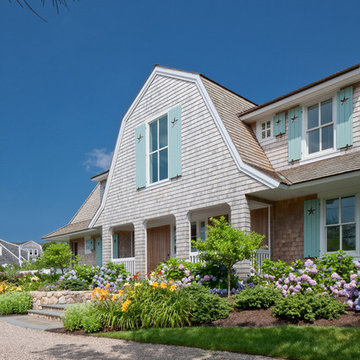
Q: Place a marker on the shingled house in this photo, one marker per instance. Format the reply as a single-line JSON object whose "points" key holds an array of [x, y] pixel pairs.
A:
{"points": [[12, 253], [189, 149]]}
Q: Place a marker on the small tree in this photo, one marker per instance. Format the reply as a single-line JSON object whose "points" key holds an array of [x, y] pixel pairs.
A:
{"points": [[227, 245], [57, 256]]}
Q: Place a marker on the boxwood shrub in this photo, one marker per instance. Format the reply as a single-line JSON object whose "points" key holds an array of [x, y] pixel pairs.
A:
{"points": [[257, 297]]}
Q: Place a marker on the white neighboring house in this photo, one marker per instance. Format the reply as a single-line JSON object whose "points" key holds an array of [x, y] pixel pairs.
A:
{"points": [[34, 249], [12, 253]]}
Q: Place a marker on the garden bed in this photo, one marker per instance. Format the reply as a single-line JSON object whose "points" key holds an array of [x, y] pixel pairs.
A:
{"points": [[263, 318]]}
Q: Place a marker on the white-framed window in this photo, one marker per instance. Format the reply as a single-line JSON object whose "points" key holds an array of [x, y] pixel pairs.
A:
{"points": [[320, 126], [265, 130], [31, 252], [36, 252], [341, 223], [158, 154]]}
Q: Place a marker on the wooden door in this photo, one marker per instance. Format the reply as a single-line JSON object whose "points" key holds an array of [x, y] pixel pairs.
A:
{"points": [[260, 223], [158, 246]]}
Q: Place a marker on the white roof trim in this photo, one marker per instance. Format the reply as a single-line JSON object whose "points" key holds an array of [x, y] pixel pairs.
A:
{"points": [[330, 85], [9, 251], [195, 78]]}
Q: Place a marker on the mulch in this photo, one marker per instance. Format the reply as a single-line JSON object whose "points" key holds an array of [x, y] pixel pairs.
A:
{"points": [[264, 318]]}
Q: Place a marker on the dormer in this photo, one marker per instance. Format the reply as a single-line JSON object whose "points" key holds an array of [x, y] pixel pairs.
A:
{"points": [[101, 179]]}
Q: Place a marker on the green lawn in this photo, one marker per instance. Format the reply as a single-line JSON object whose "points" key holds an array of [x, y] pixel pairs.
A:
{"points": [[292, 342]]}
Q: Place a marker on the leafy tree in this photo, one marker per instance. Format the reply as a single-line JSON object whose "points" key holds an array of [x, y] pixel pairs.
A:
{"points": [[227, 245], [47, 244], [57, 256]]}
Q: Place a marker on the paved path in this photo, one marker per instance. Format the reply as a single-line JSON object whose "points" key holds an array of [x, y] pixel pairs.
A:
{"points": [[17, 343]]}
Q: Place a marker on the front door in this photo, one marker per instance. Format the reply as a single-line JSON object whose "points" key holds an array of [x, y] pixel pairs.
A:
{"points": [[99, 251], [158, 246], [260, 223]]}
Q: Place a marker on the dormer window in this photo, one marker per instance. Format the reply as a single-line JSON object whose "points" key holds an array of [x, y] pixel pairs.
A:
{"points": [[320, 127], [266, 129]]}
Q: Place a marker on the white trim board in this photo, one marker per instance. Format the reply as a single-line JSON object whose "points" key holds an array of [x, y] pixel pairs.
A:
{"points": [[195, 78]]}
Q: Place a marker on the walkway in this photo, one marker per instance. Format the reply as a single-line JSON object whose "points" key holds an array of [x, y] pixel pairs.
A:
{"points": [[24, 343]]}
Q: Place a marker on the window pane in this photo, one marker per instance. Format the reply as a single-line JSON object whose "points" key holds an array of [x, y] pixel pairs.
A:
{"points": [[326, 112], [193, 233], [268, 124], [313, 116], [314, 141], [164, 164], [202, 230], [333, 238], [348, 237], [163, 136], [263, 135], [263, 126], [332, 211], [154, 167], [153, 136], [268, 134], [348, 209], [327, 137]]}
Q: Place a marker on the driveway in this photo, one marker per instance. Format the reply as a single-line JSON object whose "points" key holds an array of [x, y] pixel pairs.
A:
{"points": [[23, 343]]}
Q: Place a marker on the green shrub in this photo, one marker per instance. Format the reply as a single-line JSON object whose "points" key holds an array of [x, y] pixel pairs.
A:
{"points": [[176, 269], [74, 285], [15, 303], [257, 297], [308, 307], [205, 307], [82, 316]]}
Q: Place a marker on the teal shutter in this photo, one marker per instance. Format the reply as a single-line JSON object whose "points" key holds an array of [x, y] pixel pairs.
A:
{"points": [[140, 149], [115, 246], [344, 118], [90, 244], [174, 126], [312, 228], [98, 251], [279, 124], [295, 132]]}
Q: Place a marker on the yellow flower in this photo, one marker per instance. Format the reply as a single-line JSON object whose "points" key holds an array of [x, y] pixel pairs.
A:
{"points": [[114, 298], [120, 292], [163, 285], [138, 284], [155, 285], [125, 305], [34, 278], [107, 285], [173, 287]]}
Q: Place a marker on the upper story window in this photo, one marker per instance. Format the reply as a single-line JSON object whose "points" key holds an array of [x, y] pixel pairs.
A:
{"points": [[158, 150], [320, 127], [340, 224], [265, 129], [31, 252]]}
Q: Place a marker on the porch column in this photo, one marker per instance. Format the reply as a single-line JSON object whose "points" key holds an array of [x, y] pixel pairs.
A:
{"points": [[240, 214], [106, 237], [140, 246], [182, 236]]}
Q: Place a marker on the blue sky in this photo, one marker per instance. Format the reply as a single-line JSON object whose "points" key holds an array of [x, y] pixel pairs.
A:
{"points": [[65, 84]]}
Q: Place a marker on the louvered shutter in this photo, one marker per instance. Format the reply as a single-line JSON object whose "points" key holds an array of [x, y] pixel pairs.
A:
{"points": [[174, 126], [344, 118], [279, 124], [312, 228], [295, 133], [115, 246], [140, 149]]}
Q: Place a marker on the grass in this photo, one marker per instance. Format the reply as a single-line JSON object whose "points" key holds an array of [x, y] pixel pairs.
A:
{"points": [[290, 342]]}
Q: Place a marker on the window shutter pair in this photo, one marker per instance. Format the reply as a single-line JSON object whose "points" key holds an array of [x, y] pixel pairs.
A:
{"points": [[174, 139], [115, 246], [312, 228], [344, 118]]}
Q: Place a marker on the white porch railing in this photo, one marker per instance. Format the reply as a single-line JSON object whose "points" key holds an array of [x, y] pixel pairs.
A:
{"points": [[261, 255], [129, 264], [194, 257]]}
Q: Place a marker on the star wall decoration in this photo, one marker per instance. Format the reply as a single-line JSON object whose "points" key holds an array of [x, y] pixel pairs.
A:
{"points": [[278, 122], [174, 122], [344, 100], [293, 118], [311, 211], [139, 138]]}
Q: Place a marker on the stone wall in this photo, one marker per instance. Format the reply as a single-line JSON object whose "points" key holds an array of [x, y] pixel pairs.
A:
{"points": [[58, 297]]}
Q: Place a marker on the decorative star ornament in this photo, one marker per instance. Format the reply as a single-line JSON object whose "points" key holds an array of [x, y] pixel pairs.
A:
{"points": [[311, 211], [139, 138], [174, 122], [278, 122], [293, 118], [344, 100]]}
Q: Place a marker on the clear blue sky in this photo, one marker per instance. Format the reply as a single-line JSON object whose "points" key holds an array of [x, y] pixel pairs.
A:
{"points": [[65, 84]]}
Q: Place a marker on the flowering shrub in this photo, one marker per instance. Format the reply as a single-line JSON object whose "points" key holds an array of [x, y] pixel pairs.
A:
{"points": [[93, 276], [178, 270], [352, 289]]}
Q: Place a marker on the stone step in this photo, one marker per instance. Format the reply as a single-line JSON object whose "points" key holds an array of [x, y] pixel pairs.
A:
{"points": [[32, 322], [45, 314], [56, 307]]}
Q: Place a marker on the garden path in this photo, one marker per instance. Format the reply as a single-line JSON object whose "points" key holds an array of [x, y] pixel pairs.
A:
{"points": [[23, 343]]}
